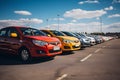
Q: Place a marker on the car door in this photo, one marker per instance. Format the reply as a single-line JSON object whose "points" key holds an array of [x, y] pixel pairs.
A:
{"points": [[13, 42], [3, 39], [9, 44]]}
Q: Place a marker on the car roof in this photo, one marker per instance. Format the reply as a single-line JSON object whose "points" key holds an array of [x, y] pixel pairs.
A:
{"points": [[47, 30], [19, 26], [15, 27]]}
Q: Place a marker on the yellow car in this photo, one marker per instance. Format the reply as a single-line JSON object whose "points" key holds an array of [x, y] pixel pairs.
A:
{"points": [[68, 43]]}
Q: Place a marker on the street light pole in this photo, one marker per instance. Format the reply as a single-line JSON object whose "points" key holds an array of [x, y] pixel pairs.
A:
{"points": [[58, 21], [47, 23], [101, 25]]}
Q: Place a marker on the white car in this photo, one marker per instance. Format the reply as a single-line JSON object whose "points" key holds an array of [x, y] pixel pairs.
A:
{"points": [[92, 40]]}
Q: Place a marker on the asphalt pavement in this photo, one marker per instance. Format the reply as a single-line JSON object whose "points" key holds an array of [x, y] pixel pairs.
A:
{"points": [[99, 62]]}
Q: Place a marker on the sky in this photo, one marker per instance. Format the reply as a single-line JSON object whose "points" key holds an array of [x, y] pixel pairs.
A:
{"points": [[63, 15]]}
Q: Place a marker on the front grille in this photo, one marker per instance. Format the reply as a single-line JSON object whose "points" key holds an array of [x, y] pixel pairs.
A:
{"points": [[52, 51], [76, 46], [66, 47]]}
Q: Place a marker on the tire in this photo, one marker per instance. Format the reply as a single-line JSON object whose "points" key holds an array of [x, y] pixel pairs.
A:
{"points": [[25, 55]]}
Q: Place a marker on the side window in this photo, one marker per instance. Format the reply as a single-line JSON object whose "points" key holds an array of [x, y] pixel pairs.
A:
{"points": [[12, 30], [3, 32], [47, 33]]}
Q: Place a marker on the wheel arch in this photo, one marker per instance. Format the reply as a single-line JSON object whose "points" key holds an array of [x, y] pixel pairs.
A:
{"points": [[23, 47]]}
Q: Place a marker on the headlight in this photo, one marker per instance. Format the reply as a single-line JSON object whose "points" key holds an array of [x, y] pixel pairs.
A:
{"points": [[39, 43], [85, 40], [66, 41]]}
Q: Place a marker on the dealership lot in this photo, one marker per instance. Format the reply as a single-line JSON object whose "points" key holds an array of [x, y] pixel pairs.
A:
{"points": [[99, 62]]}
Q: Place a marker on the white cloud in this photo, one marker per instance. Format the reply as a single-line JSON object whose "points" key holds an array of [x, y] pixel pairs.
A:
{"points": [[74, 21], [115, 25], [76, 27], [109, 8], [89, 1], [85, 27], [81, 14], [81, 2], [61, 19], [98, 18], [20, 22], [114, 15], [23, 12], [32, 20], [116, 1]]}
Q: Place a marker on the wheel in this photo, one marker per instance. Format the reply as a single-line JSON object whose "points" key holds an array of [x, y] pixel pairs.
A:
{"points": [[25, 55]]}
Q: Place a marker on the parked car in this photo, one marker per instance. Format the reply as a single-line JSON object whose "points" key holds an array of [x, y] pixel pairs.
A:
{"points": [[28, 43], [92, 40], [97, 38], [84, 42], [68, 43], [105, 38]]}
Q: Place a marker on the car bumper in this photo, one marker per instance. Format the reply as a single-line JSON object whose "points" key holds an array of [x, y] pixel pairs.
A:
{"points": [[45, 51], [71, 46]]}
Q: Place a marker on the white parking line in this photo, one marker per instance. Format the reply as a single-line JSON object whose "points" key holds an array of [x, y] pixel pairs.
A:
{"points": [[62, 77], [97, 50], [86, 57]]}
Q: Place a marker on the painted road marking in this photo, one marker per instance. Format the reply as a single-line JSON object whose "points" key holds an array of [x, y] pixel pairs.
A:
{"points": [[62, 77], [97, 50], [86, 57]]}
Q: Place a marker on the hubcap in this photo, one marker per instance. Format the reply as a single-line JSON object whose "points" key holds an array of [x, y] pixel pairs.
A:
{"points": [[24, 55]]}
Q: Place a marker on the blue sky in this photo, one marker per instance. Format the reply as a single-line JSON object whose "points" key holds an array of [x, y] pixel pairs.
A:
{"points": [[69, 15]]}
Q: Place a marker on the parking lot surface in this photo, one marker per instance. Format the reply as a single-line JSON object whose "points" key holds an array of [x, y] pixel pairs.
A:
{"points": [[98, 62]]}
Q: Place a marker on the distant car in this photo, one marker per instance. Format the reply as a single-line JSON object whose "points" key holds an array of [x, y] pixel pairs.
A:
{"points": [[96, 37], [92, 40], [28, 42], [84, 42], [68, 43], [106, 38]]}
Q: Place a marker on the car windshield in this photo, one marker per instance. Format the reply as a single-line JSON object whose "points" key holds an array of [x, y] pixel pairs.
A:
{"points": [[69, 34], [32, 32], [83, 35], [57, 33], [77, 34]]}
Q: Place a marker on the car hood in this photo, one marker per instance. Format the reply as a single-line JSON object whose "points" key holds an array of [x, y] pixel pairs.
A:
{"points": [[67, 37], [43, 38]]}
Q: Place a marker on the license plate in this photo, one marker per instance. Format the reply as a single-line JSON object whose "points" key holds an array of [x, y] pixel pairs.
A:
{"points": [[76, 45], [56, 48]]}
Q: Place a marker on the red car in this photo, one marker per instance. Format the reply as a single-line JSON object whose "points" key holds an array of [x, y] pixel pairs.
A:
{"points": [[28, 42]]}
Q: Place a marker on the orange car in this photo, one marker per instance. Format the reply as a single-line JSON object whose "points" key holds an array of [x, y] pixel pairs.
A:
{"points": [[28, 42]]}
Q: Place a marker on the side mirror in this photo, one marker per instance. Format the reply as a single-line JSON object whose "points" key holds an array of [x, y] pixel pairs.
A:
{"points": [[48, 35], [14, 35]]}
